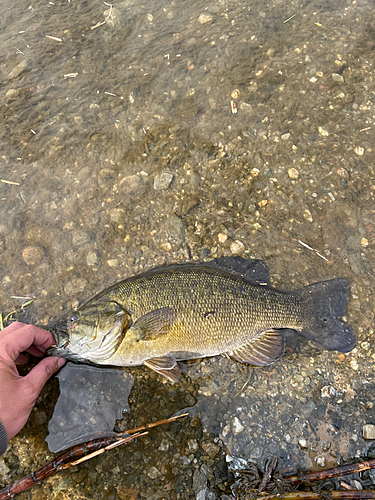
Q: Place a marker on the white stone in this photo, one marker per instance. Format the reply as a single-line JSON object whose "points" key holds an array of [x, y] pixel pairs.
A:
{"points": [[237, 427]]}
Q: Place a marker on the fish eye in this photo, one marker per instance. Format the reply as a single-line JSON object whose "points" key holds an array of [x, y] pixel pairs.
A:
{"points": [[73, 317]]}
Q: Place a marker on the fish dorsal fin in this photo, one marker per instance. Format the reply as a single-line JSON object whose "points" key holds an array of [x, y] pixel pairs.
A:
{"points": [[166, 366], [255, 271], [262, 351], [153, 324]]}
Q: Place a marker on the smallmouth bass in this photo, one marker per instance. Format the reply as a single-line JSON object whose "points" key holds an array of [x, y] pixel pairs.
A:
{"points": [[191, 311]]}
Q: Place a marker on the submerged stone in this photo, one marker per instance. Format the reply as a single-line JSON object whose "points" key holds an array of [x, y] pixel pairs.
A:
{"points": [[91, 400]]}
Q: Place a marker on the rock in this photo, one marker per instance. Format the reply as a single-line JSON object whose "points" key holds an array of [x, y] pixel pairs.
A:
{"points": [[368, 431], [205, 18], [162, 181], [237, 427], [112, 262], [321, 461], [364, 242], [154, 473], [164, 445], [303, 443], [285, 136], [293, 173], [192, 446], [117, 215], [237, 247], [4, 469], [80, 238], [92, 258], [359, 151], [32, 255], [307, 215], [130, 184], [337, 78], [74, 286], [222, 238], [200, 482], [322, 131], [328, 391], [17, 70], [211, 449]]}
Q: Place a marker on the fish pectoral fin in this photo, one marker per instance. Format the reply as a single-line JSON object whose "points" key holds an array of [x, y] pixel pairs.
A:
{"points": [[153, 324], [166, 366], [262, 351]]}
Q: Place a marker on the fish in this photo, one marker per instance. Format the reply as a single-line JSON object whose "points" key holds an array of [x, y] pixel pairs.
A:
{"points": [[191, 311]]}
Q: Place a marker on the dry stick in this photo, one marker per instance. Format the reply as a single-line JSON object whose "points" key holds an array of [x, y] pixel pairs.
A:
{"points": [[268, 474], [77, 452], [336, 471], [309, 495]]}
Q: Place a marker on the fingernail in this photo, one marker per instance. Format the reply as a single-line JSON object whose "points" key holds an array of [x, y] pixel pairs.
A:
{"points": [[61, 362]]}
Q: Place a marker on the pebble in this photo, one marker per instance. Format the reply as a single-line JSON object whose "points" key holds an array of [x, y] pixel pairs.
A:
{"points": [[368, 431], [192, 445], [130, 183], [222, 238], [4, 469], [112, 262], [321, 461], [293, 173], [359, 151], [235, 94], [237, 247], [75, 286], [80, 238], [164, 445], [328, 391], [92, 258], [237, 427], [32, 255], [162, 181], [285, 136], [322, 131], [205, 18], [302, 443], [17, 70], [211, 449], [153, 472], [337, 78], [364, 242], [307, 215], [117, 215]]}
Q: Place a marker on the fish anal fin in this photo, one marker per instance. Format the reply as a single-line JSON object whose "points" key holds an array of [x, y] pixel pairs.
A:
{"points": [[166, 366], [154, 324], [262, 351]]}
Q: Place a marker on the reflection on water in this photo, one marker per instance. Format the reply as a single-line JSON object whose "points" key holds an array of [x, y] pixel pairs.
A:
{"points": [[121, 151]]}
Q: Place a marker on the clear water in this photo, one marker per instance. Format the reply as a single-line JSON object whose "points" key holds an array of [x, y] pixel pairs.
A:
{"points": [[91, 120]]}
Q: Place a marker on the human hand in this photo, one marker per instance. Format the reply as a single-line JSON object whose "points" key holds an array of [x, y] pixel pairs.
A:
{"points": [[18, 394]]}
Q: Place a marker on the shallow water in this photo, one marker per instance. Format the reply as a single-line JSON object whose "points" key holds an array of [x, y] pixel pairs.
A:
{"points": [[123, 153]]}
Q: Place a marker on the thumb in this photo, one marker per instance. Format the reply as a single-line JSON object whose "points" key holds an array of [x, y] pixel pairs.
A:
{"points": [[39, 375]]}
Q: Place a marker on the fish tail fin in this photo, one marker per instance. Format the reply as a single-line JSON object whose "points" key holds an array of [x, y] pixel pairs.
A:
{"points": [[326, 303]]}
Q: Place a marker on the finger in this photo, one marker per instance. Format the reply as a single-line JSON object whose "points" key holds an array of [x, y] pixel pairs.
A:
{"points": [[34, 351], [22, 359], [21, 339], [11, 328], [39, 375]]}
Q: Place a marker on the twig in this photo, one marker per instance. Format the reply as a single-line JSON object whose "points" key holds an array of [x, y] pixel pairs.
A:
{"points": [[10, 182], [268, 474], [64, 461], [309, 495], [336, 471]]}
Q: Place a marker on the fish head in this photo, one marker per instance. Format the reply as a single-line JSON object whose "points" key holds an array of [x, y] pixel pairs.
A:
{"points": [[92, 333]]}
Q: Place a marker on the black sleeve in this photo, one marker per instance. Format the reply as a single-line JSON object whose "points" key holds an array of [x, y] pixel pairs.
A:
{"points": [[3, 439]]}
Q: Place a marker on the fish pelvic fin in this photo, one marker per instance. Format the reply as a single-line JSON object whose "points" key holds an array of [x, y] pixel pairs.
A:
{"points": [[261, 351], [166, 366], [325, 303]]}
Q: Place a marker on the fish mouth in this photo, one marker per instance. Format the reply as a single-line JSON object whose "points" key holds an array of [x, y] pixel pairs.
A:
{"points": [[62, 340]]}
